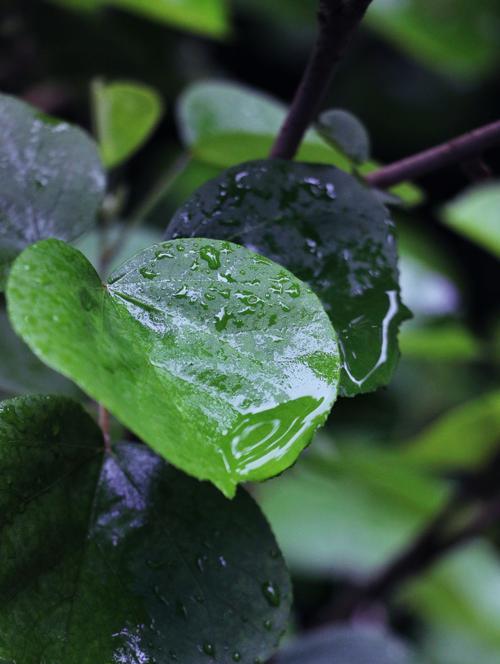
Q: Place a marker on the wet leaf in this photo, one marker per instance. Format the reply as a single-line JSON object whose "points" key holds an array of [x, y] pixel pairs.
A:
{"points": [[221, 360], [476, 215], [120, 557], [347, 645], [330, 231], [51, 180], [345, 131], [126, 114]]}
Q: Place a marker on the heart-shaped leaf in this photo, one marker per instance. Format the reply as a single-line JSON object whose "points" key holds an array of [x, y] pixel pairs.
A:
{"points": [[220, 359], [121, 558], [347, 645], [330, 231], [51, 180], [126, 114]]}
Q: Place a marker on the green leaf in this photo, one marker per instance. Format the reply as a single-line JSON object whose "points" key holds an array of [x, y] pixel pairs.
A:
{"points": [[330, 231], [22, 372], [225, 124], [345, 132], [475, 214], [347, 645], [51, 180], [458, 39], [461, 591], [446, 342], [207, 17], [221, 360], [121, 558], [462, 438], [126, 114], [349, 513]]}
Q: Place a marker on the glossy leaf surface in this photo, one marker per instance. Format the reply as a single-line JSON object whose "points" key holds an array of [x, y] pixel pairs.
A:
{"points": [[51, 179], [476, 215], [345, 131], [347, 645], [221, 360], [120, 557], [126, 114], [330, 231]]}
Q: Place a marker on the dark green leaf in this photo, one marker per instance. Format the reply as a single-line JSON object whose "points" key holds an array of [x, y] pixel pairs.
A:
{"points": [[22, 372], [121, 558], [345, 131], [221, 360], [126, 114], [330, 231], [51, 179], [476, 215], [347, 645]]}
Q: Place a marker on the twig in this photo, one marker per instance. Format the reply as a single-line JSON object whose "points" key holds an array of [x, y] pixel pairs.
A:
{"points": [[458, 149], [104, 424], [337, 20]]}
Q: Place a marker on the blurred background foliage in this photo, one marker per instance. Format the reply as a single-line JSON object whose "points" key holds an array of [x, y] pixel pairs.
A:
{"points": [[177, 90]]}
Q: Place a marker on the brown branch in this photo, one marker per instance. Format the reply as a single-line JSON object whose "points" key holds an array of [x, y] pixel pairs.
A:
{"points": [[459, 149], [337, 21]]}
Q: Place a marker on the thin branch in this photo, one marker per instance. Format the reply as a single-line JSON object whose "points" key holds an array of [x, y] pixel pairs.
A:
{"points": [[337, 21], [104, 424], [459, 149]]}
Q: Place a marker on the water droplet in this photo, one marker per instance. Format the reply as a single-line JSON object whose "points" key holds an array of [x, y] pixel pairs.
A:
{"points": [[222, 561], [160, 255], [211, 256], [271, 593], [293, 290], [209, 649], [268, 624], [181, 610], [236, 656], [148, 273], [222, 318]]}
